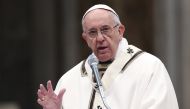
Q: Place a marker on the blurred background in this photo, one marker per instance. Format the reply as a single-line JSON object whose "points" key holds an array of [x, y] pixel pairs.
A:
{"points": [[41, 39]]}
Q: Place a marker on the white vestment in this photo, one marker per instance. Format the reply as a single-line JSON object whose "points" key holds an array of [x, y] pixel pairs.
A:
{"points": [[143, 84]]}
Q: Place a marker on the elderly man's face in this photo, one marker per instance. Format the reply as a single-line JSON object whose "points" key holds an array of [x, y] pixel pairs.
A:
{"points": [[102, 34]]}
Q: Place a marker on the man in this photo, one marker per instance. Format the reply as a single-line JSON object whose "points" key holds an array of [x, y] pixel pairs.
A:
{"points": [[131, 79]]}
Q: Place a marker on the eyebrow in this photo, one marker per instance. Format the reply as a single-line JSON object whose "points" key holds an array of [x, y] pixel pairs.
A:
{"points": [[93, 28], [104, 26]]}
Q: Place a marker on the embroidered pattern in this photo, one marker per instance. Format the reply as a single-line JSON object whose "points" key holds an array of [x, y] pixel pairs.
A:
{"points": [[130, 51], [99, 107]]}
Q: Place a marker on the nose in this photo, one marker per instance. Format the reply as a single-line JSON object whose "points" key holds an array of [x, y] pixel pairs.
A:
{"points": [[100, 37]]}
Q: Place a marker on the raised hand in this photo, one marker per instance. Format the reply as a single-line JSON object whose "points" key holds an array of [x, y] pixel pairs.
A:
{"points": [[48, 99]]}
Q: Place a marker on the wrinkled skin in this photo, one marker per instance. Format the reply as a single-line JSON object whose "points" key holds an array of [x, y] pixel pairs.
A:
{"points": [[103, 46], [48, 99]]}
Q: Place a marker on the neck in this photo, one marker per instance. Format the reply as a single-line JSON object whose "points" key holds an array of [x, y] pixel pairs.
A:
{"points": [[106, 62]]}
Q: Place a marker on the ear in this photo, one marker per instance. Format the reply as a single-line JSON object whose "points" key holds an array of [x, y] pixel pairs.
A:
{"points": [[121, 30], [84, 36]]}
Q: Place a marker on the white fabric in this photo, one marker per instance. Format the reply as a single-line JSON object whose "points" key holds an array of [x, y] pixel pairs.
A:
{"points": [[145, 84], [99, 6]]}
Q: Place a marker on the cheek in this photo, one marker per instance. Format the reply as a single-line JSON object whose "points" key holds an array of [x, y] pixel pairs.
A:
{"points": [[91, 43], [116, 44], [113, 43]]}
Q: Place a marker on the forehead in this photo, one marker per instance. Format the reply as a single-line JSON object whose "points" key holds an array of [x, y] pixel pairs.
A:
{"points": [[98, 17]]}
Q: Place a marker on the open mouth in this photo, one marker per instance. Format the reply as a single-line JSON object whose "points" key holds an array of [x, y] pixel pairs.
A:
{"points": [[102, 49]]}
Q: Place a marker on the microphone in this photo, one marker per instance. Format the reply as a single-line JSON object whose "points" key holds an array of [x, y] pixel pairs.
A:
{"points": [[93, 62]]}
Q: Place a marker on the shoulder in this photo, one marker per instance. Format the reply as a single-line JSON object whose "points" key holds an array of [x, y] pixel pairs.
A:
{"points": [[150, 58], [147, 62], [69, 77], [152, 67], [75, 71], [146, 57]]}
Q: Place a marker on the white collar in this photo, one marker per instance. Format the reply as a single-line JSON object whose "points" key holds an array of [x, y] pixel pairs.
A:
{"points": [[123, 45]]}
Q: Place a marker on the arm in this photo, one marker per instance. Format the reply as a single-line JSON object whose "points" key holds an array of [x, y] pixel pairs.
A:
{"points": [[159, 93], [48, 99]]}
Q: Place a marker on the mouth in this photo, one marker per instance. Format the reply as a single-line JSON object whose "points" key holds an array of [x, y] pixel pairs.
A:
{"points": [[102, 49]]}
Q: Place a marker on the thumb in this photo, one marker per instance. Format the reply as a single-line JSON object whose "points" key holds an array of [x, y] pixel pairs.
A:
{"points": [[61, 93]]}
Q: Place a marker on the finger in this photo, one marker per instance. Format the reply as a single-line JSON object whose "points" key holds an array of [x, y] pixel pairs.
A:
{"points": [[50, 87], [43, 89], [39, 93], [40, 102], [61, 93]]}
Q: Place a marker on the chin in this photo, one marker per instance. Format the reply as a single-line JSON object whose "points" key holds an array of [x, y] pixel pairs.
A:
{"points": [[104, 58]]}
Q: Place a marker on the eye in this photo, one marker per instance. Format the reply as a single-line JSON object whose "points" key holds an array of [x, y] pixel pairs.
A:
{"points": [[105, 29], [92, 32]]}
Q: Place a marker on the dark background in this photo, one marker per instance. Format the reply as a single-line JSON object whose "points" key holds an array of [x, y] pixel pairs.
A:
{"points": [[41, 39]]}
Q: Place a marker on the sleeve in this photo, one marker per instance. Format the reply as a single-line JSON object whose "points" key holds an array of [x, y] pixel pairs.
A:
{"points": [[58, 86], [159, 93]]}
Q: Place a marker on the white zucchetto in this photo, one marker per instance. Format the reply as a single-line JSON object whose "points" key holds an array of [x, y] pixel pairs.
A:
{"points": [[100, 6]]}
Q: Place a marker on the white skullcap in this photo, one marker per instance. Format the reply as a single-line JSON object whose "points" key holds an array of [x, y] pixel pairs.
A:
{"points": [[100, 6]]}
